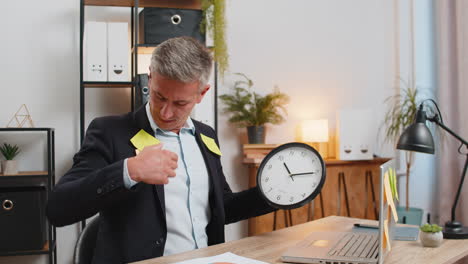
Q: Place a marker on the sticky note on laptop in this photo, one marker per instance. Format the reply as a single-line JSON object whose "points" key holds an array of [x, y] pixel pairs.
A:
{"points": [[393, 183], [386, 238], [389, 197]]}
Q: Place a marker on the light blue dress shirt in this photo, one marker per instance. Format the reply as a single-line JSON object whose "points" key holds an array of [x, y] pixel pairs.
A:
{"points": [[186, 194]]}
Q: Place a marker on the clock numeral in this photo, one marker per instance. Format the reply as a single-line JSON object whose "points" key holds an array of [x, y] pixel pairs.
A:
{"points": [[278, 197], [267, 179], [270, 190], [314, 184], [281, 158], [313, 160], [317, 171], [269, 166], [291, 199], [303, 195], [303, 154], [291, 152]]}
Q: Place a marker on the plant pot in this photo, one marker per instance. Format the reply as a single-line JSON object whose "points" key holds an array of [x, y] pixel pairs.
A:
{"points": [[431, 239], [256, 134], [411, 217], [10, 167]]}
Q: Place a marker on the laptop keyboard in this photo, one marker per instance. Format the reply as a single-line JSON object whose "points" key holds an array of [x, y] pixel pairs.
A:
{"points": [[358, 245]]}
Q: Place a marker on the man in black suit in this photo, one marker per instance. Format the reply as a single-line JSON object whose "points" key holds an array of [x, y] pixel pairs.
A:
{"points": [[170, 197]]}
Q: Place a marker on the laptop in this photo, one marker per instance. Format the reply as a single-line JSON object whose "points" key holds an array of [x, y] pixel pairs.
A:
{"points": [[359, 245]]}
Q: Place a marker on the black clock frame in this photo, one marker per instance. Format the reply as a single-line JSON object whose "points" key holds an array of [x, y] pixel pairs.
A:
{"points": [[302, 202]]}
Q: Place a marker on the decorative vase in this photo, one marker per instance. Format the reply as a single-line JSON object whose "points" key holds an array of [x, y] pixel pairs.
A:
{"points": [[10, 167], [256, 134], [429, 239]]}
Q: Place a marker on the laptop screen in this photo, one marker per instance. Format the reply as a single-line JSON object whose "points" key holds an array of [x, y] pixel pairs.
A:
{"points": [[388, 215]]}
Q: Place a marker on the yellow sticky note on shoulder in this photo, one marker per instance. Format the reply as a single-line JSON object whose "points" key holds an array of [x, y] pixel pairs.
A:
{"points": [[210, 144], [142, 139]]}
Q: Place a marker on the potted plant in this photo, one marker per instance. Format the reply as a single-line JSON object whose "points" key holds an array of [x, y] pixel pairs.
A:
{"points": [[401, 113], [431, 235], [214, 22], [252, 110], [9, 165]]}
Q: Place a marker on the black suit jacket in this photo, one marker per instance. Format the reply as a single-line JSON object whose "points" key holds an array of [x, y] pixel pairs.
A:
{"points": [[133, 224]]}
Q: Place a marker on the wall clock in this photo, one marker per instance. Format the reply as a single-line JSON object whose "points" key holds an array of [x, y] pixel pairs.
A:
{"points": [[291, 175]]}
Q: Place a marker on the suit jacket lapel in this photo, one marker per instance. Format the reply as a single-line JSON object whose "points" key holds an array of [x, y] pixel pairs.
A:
{"points": [[210, 165], [142, 122]]}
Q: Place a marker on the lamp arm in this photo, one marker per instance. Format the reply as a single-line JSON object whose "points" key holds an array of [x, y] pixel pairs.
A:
{"points": [[435, 119]]}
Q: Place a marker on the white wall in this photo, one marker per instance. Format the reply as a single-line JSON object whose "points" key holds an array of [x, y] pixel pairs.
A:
{"points": [[326, 54]]}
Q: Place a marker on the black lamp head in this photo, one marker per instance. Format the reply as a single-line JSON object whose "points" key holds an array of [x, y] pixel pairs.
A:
{"points": [[417, 136]]}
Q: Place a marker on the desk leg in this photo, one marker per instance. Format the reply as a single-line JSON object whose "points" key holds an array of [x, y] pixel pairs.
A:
{"points": [[274, 220], [374, 202], [322, 208], [341, 179], [366, 204], [311, 211]]}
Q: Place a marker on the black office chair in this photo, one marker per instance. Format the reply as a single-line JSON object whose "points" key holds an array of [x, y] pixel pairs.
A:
{"points": [[84, 248]]}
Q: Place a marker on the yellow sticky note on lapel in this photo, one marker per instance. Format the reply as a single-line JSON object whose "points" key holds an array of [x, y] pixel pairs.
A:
{"points": [[142, 139], [210, 144]]}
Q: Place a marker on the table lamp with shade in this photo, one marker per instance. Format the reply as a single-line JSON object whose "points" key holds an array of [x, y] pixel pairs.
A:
{"points": [[315, 132], [417, 137]]}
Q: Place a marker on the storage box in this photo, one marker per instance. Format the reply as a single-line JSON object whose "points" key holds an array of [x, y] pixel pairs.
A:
{"points": [[356, 134], [22, 218], [159, 24]]}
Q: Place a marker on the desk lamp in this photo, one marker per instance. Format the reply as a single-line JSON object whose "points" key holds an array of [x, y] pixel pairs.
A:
{"points": [[316, 133], [417, 137]]}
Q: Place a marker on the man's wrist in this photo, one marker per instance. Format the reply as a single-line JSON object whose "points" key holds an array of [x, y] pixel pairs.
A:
{"points": [[132, 167]]}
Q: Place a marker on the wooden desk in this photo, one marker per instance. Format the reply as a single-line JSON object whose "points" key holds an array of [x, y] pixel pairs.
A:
{"points": [[268, 247], [347, 191]]}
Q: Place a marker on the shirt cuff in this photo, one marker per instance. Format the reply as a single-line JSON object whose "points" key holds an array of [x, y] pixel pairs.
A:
{"points": [[128, 182]]}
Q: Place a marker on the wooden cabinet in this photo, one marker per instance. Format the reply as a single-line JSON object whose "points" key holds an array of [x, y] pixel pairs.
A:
{"points": [[350, 190]]}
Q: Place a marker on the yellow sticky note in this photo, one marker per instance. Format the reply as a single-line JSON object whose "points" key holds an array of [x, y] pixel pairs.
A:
{"points": [[394, 184], [387, 189], [389, 197], [386, 239], [210, 144], [142, 139]]}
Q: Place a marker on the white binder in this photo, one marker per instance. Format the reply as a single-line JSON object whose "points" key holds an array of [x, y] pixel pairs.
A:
{"points": [[95, 52], [118, 52], [356, 134]]}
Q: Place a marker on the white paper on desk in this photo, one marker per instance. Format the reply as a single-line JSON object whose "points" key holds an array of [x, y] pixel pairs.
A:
{"points": [[226, 258]]}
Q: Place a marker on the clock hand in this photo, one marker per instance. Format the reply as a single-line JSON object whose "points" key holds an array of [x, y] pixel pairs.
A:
{"points": [[304, 173], [286, 166]]}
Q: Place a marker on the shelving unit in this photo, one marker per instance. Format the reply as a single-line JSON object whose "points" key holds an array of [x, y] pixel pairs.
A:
{"points": [[136, 48], [31, 179]]}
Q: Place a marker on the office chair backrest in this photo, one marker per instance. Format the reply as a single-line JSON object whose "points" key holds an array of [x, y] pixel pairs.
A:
{"points": [[84, 248]]}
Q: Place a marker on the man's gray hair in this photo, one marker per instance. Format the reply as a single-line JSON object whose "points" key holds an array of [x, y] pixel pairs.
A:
{"points": [[183, 59]]}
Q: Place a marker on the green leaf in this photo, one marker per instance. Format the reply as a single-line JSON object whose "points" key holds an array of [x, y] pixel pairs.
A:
{"points": [[248, 108], [9, 151]]}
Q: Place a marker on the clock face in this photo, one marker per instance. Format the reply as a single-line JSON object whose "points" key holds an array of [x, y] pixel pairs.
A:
{"points": [[291, 175]]}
